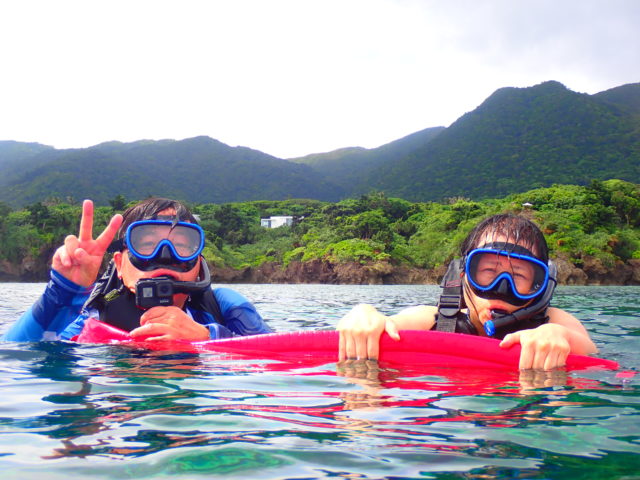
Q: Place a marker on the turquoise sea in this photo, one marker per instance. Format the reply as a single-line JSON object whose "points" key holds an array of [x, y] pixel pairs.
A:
{"points": [[112, 412]]}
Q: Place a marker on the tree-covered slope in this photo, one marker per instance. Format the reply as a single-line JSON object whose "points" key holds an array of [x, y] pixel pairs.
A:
{"points": [[199, 170], [519, 138], [11, 151], [593, 233], [346, 166], [625, 97], [18, 157]]}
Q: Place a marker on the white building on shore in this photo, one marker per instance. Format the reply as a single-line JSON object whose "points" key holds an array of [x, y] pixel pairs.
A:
{"points": [[276, 221]]}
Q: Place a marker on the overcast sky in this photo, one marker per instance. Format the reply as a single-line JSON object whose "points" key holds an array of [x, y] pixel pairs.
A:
{"points": [[291, 77]]}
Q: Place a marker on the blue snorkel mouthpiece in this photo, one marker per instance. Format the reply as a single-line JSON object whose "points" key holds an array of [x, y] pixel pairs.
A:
{"points": [[499, 318], [490, 328]]}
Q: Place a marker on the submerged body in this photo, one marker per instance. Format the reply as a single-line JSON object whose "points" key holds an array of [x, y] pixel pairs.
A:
{"points": [[58, 314]]}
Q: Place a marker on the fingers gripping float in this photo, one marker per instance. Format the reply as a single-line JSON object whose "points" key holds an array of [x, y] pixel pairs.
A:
{"points": [[360, 332]]}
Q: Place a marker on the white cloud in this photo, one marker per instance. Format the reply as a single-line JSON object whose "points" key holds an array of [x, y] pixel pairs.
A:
{"points": [[291, 77]]}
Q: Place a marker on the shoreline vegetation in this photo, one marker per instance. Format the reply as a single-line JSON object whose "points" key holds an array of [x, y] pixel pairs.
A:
{"points": [[593, 234]]}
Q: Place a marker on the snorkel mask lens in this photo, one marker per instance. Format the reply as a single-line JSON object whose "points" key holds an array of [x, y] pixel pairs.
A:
{"points": [[507, 272], [156, 244]]}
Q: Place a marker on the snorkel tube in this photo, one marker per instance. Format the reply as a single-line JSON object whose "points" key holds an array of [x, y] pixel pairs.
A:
{"points": [[198, 285], [540, 304]]}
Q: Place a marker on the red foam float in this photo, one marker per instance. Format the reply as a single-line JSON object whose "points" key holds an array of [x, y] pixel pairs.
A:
{"points": [[415, 348]]}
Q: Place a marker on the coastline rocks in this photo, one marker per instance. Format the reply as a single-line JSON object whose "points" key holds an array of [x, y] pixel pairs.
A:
{"points": [[620, 273], [569, 274], [320, 271], [593, 272], [30, 269], [635, 266]]}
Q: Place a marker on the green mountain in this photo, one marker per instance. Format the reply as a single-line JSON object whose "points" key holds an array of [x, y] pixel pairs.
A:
{"points": [[516, 140], [16, 158], [199, 169], [345, 166], [626, 98], [11, 151]]}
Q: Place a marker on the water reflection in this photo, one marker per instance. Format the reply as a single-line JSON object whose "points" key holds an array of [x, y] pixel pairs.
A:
{"points": [[121, 402], [86, 411]]}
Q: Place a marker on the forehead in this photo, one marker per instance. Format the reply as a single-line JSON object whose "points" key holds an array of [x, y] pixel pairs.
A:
{"points": [[167, 212], [167, 215], [494, 237]]}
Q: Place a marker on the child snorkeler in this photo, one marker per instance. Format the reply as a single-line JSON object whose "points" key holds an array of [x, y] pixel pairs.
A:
{"points": [[501, 287]]}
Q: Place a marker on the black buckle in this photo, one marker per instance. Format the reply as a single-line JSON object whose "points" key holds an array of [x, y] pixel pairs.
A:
{"points": [[449, 305]]}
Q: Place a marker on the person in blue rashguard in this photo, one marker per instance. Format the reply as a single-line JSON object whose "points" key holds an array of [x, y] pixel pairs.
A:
{"points": [[157, 285]]}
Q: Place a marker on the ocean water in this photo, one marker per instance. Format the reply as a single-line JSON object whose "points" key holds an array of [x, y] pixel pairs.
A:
{"points": [[113, 412]]}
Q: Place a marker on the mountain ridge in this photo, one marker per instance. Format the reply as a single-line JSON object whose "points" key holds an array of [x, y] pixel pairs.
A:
{"points": [[517, 139], [525, 138]]}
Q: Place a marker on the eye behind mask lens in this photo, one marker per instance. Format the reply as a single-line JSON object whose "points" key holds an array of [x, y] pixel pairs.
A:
{"points": [[502, 290], [148, 239], [524, 277]]}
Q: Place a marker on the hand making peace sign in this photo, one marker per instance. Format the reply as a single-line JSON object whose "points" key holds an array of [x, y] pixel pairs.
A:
{"points": [[79, 259]]}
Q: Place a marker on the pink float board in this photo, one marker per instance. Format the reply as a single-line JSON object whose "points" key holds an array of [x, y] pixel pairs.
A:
{"points": [[415, 348]]}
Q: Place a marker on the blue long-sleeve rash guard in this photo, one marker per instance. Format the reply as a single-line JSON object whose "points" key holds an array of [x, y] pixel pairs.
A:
{"points": [[58, 314]]}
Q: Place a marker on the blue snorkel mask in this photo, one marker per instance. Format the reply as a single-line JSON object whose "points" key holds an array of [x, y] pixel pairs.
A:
{"points": [[513, 274], [169, 244], [506, 271]]}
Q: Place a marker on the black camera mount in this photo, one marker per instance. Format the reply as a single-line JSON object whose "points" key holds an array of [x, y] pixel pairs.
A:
{"points": [[159, 291]]}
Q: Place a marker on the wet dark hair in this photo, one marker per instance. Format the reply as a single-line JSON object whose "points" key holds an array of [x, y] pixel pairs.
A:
{"points": [[150, 208], [516, 229]]}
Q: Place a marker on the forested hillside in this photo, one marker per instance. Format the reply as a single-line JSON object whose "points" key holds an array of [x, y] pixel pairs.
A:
{"points": [[593, 233], [625, 97], [347, 166], [518, 139], [198, 170]]}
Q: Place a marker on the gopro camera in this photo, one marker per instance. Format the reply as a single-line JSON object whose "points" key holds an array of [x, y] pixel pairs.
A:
{"points": [[154, 292]]}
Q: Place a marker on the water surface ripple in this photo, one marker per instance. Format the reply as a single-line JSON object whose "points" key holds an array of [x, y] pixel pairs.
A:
{"points": [[112, 412]]}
